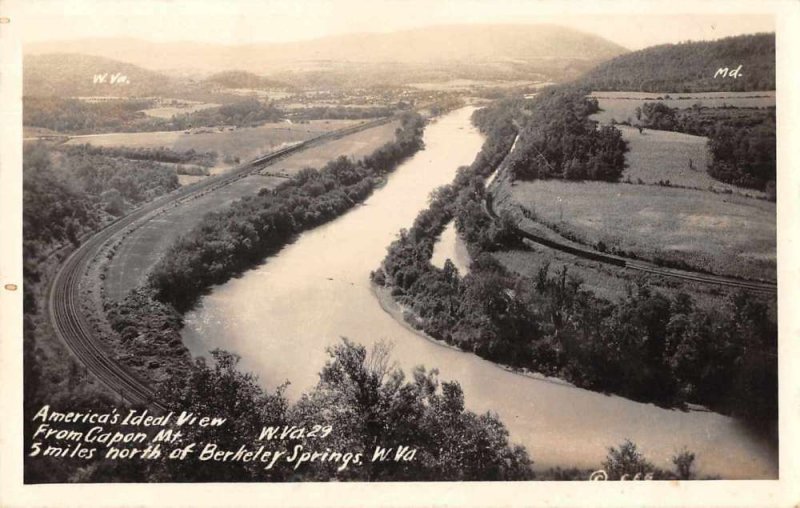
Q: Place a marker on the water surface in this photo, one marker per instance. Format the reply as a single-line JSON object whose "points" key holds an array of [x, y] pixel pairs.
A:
{"points": [[282, 315]]}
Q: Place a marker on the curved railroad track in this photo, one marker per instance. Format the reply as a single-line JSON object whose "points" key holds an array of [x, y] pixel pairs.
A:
{"points": [[71, 321], [634, 264]]}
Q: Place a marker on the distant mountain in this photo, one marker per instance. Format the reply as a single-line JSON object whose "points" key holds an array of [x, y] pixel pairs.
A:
{"points": [[71, 75], [82, 75], [691, 66], [525, 46]]}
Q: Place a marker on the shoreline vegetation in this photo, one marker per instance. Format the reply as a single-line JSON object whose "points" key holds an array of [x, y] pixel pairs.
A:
{"points": [[649, 347]]}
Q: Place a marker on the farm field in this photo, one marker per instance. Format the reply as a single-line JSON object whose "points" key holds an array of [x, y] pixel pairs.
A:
{"points": [[621, 106], [656, 156], [245, 143], [140, 251], [356, 145], [719, 233]]}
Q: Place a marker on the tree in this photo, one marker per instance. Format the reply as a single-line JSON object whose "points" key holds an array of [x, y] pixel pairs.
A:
{"points": [[683, 464], [220, 390], [369, 402], [626, 462]]}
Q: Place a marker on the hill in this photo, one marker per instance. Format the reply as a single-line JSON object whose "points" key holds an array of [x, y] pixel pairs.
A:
{"points": [[443, 48], [690, 67], [71, 75]]}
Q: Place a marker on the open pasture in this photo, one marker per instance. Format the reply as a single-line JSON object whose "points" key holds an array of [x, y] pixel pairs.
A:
{"points": [[681, 159], [621, 106], [245, 143], [719, 233]]}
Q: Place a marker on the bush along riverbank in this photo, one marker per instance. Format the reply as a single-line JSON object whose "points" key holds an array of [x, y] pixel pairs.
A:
{"points": [[648, 347]]}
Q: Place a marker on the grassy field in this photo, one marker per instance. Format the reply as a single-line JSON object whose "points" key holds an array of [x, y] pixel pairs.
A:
{"points": [[621, 106], [244, 143], [140, 251], [356, 145], [719, 233], [665, 156]]}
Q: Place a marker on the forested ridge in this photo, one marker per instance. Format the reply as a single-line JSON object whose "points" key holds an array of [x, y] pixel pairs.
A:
{"points": [[690, 67], [69, 191], [67, 196], [649, 346]]}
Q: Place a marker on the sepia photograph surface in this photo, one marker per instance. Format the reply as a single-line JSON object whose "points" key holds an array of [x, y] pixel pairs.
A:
{"points": [[283, 242]]}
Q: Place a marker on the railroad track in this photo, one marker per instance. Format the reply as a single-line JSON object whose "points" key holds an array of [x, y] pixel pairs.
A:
{"points": [[633, 264], [69, 319]]}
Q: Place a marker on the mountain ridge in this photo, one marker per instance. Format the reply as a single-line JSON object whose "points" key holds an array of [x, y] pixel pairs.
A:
{"points": [[690, 66], [482, 43]]}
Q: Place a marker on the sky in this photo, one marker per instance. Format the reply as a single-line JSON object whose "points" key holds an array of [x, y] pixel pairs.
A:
{"points": [[633, 25]]}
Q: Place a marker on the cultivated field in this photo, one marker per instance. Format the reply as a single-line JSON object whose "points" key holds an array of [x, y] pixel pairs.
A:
{"points": [[656, 156], [356, 145], [720, 233], [244, 143], [621, 106], [140, 251]]}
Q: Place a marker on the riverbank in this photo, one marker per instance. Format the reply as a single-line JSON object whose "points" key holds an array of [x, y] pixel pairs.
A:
{"points": [[401, 314]]}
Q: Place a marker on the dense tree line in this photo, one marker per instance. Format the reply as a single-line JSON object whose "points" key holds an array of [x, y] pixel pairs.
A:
{"points": [[228, 241], [244, 79], [160, 154], [648, 347], [742, 141], [76, 117], [691, 67], [244, 113], [559, 140]]}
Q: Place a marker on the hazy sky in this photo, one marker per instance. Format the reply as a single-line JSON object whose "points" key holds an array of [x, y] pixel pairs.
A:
{"points": [[631, 24]]}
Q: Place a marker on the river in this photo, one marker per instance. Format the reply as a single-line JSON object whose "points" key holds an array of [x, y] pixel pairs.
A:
{"points": [[280, 317]]}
